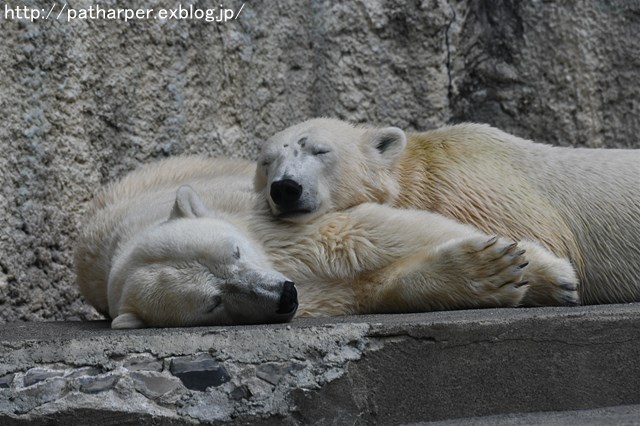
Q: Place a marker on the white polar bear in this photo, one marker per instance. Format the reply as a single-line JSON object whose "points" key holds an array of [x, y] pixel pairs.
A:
{"points": [[187, 241], [582, 204]]}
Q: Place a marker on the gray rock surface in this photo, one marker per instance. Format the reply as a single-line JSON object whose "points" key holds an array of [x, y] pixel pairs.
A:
{"points": [[85, 101], [382, 369]]}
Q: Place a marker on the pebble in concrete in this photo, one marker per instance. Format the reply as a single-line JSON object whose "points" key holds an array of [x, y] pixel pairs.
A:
{"points": [[31, 397], [200, 372], [154, 385], [142, 362], [98, 384], [36, 375], [84, 371], [5, 381], [240, 392], [272, 372]]}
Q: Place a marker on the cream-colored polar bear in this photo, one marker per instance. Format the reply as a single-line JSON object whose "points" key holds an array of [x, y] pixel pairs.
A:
{"points": [[187, 241], [582, 204]]}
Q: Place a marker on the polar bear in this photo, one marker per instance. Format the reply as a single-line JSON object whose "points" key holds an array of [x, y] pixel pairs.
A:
{"points": [[581, 204], [187, 241]]}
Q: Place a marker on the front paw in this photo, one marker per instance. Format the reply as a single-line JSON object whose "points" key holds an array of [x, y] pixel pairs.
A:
{"points": [[493, 269], [552, 279]]}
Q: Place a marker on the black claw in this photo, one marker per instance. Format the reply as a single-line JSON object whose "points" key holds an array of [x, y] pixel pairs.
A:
{"points": [[491, 241], [524, 265], [510, 247], [521, 283], [520, 253]]}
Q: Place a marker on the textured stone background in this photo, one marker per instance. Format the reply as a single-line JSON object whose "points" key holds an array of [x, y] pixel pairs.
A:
{"points": [[83, 102]]}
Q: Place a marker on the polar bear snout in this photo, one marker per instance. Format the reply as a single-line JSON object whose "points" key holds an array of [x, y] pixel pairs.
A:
{"points": [[286, 193], [288, 304]]}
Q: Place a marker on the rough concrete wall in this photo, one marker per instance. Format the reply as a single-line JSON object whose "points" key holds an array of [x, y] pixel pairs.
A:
{"points": [[559, 72], [85, 101]]}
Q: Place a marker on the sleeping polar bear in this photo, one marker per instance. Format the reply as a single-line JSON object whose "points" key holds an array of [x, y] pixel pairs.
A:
{"points": [[187, 241], [581, 204]]}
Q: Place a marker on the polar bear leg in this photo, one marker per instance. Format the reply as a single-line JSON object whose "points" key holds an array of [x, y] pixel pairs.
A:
{"points": [[471, 272]]}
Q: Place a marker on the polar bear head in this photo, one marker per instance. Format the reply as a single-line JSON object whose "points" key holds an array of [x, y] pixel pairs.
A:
{"points": [[326, 164], [196, 269]]}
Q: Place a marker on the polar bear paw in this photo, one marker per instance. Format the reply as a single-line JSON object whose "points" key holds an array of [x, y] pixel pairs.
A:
{"points": [[494, 269], [553, 280]]}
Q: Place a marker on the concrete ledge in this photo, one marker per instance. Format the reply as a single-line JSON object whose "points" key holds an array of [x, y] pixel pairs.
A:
{"points": [[626, 415], [387, 369]]}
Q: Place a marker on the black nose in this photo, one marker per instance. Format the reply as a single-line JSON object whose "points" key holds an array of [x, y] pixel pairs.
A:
{"points": [[288, 299], [285, 192]]}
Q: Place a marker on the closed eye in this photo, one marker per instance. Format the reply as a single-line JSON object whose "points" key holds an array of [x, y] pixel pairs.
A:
{"points": [[320, 151]]}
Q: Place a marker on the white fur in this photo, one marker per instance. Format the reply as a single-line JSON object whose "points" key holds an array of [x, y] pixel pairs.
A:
{"points": [[155, 252], [581, 204]]}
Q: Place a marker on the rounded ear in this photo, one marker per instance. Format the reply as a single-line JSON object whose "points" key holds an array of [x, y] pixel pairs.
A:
{"points": [[127, 320], [188, 204], [389, 142]]}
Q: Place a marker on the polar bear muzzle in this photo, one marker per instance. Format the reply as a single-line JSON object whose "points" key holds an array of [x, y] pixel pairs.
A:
{"points": [[286, 194]]}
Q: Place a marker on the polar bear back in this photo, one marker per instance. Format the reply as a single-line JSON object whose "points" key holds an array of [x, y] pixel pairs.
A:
{"points": [[580, 203]]}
